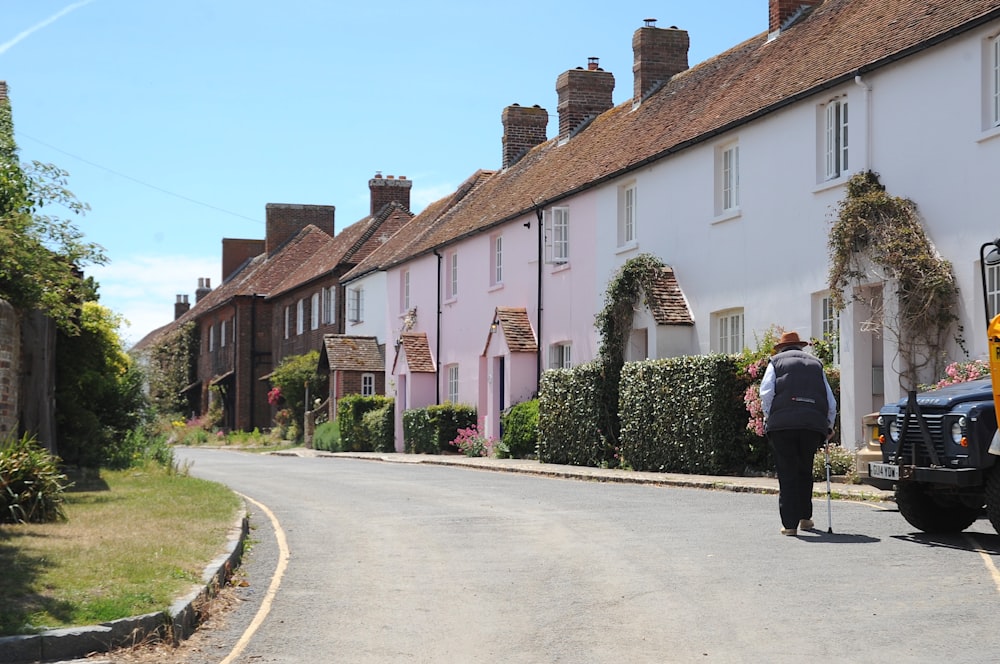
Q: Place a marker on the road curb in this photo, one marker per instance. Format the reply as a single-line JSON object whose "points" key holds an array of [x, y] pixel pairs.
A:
{"points": [[174, 624]]}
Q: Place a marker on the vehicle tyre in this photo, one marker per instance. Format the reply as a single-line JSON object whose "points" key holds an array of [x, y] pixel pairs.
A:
{"points": [[993, 497], [933, 514]]}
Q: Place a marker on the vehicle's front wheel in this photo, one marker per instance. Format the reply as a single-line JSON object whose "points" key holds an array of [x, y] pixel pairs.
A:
{"points": [[993, 497], [933, 513]]}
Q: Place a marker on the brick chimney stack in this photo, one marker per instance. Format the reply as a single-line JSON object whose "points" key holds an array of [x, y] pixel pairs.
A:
{"points": [[236, 252], [583, 94], [523, 129], [782, 11], [658, 55], [204, 288], [181, 306], [3, 90], [389, 189], [284, 220]]}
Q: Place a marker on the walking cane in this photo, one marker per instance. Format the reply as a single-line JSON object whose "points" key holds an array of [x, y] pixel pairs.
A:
{"points": [[829, 497]]}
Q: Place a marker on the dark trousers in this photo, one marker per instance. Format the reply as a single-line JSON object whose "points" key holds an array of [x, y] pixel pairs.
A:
{"points": [[793, 459]]}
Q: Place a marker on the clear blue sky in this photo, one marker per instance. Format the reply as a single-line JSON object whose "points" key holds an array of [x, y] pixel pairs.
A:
{"points": [[180, 120]]}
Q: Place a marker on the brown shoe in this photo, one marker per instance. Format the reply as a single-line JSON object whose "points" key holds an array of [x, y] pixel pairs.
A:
{"points": [[791, 532], [806, 524]]}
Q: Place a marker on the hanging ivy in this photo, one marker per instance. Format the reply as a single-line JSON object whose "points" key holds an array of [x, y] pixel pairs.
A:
{"points": [[172, 368], [877, 237], [614, 325]]}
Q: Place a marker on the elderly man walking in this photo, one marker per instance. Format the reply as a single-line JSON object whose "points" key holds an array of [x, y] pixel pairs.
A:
{"points": [[799, 414]]}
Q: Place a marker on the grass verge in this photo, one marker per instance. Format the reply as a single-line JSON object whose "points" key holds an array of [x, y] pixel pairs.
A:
{"points": [[133, 541]]}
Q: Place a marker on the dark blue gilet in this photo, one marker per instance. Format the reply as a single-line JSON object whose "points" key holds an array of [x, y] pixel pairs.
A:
{"points": [[799, 393]]}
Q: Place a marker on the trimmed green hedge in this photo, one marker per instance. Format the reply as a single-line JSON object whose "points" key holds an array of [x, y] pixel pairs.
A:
{"points": [[683, 414], [354, 435], [520, 430], [380, 425], [430, 430], [569, 417]]}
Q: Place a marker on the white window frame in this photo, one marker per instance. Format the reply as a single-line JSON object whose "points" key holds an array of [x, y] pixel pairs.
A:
{"points": [[561, 355], [994, 76], [453, 376], [729, 178], [836, 138], [367, 384], [300, 316], [830, 325], [222, 334], [404, 291], [355, 305], [626, 215], [288, 321], [496, 260], [729, 336], [557, 236], [993, 290], [329, 306], [314, 312], [451, 275], [211, 338]]}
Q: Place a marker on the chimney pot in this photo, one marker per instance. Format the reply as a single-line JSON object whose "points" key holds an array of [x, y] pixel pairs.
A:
{"points": [[650, 22], [592, 63]]}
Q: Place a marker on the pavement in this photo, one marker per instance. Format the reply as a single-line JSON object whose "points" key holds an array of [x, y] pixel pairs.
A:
{"points": [[74, 643]]}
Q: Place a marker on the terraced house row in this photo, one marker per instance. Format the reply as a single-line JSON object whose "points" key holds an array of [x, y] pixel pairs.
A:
{"points": [[729, 171]]}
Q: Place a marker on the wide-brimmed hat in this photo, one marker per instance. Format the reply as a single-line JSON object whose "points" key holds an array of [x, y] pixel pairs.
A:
{"points": [[789, 339]]}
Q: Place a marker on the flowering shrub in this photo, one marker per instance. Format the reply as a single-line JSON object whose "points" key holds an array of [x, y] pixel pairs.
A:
{"points": [[961, 372], [751, 397], [274, 396], [472, 443]]}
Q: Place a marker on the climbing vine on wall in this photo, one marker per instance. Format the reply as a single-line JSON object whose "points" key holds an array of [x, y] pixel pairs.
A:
{"points": [[876, 238], [614, 324], [172, 368]]}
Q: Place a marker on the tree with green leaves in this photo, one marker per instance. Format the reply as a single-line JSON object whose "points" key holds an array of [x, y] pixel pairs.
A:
{"points": [[41, 253]]}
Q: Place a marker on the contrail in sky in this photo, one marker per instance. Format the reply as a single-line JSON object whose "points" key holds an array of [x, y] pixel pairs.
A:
{"points": [[50, 20]]}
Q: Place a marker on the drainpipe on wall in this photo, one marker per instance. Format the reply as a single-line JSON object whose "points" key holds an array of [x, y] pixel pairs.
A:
{"points": [[538, 313], [253, 361], [437, 334]]}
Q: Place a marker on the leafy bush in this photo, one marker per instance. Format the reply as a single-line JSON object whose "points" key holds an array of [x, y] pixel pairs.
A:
{"points": [[683, 414], [136, 448], [31, 485], [430, 430], [327, 437], [291, 377], [569, 417], [354, 435], [841, 463], [418, 432], [520, 429], [381, 427]]}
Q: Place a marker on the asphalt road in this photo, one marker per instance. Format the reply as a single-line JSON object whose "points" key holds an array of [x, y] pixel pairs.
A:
{"points": [[392, 562]]}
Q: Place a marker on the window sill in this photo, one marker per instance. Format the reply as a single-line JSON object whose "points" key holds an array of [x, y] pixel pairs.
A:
{"points": [[560, 267], [627, 247], [727, 215], [450, 300], [826, 185], [989, 134], [495, 287]]}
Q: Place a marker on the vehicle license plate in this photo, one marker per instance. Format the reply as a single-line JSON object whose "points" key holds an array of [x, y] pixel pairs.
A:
{"points": [[883, 471]]}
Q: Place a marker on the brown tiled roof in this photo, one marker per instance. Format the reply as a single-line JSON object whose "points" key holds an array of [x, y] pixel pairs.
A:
{"points": [[516, 328], [414, 229], [418, 353], [350, 245], [350, 353], [666, 301], [259, 276], [833, 43]]}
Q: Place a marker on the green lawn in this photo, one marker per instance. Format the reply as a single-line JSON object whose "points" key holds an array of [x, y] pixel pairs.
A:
{"points": [[133, 542]]}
